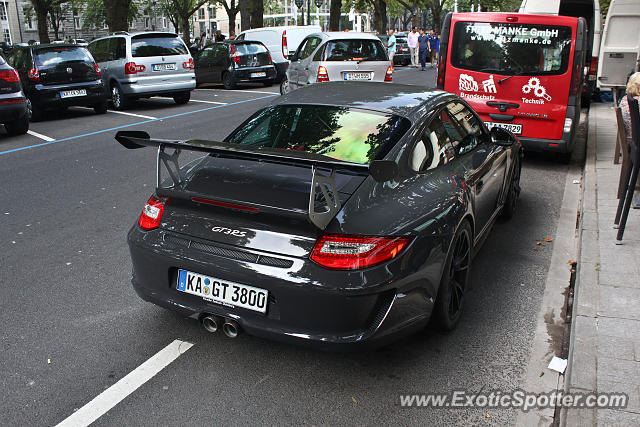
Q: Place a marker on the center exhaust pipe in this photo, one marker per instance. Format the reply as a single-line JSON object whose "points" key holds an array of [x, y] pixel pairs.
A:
{"points": [[231, 328], [211, 323]]}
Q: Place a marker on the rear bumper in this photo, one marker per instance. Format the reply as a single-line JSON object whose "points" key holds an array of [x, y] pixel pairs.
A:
{"points": [[301, 309], [12, 111], [48, 96], [563, 145], [243, 75], [143, 86]]}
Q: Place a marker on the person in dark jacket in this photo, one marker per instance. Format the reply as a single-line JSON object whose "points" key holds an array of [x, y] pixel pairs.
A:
{"points": [[423, 48]]}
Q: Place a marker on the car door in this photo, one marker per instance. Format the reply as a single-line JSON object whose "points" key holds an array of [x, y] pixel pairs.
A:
{"points": [[294, 66], [204, 64], [485, 162], [219, 61], [307, 70]]}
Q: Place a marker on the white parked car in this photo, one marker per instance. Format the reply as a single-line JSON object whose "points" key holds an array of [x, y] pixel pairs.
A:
{"points": [[337, 56], [281, 42]]}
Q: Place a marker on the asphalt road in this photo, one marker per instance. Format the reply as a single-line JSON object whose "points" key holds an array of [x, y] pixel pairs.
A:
{"points": [[72, 325]]}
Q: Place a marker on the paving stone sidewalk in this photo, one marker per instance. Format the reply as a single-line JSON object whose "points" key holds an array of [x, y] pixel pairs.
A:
{"points": [[604, 354]]}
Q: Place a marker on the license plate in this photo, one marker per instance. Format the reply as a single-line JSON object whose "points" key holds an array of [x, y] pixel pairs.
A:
{"points": [[222, 291], [516, 129], [357, 76], [72, 93], [163, 67], [260, 74]]}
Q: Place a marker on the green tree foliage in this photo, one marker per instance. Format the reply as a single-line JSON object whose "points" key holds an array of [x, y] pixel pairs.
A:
{"points": [[95, 14], [180, 11]]}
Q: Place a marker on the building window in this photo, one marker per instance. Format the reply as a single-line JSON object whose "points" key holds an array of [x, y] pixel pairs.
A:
{"points": [[147, 22], [212, 12], [201, 13], [3, 11], [7, 35], [164, 22]]}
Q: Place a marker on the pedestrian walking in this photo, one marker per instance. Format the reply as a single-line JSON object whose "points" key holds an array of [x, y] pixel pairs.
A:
{"points": [[219, 37], [203, 40], [391, 46], [434, 46], [423, 49], [412, 41]]}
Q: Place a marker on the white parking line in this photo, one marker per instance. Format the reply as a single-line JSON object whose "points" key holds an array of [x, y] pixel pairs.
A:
{"points": [[109, 398], [239, 90], [41, 136], [208, 102], [132, 114]]}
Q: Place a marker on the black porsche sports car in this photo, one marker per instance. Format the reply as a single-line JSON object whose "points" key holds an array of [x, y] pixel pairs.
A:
{"points": [[343, 213]]}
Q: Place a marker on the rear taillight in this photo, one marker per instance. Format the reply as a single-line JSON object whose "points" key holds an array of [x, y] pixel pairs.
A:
{"points": [[285, 48], [269, 57], [440, 79], [151, 214], [98, 71], [133, 68], [189, 65], [323, 76], [352, 252], [9, 76], [33, 75], [389, 74], [593, 67], [235, 55]]}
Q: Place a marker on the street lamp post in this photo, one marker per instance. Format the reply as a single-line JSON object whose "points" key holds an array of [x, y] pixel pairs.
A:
{"points": [[318, 4], [299, 4]]}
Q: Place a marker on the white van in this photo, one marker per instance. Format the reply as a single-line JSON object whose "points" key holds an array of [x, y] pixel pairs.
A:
{"points": [[590, 11], [620, 50], [281, 42]]}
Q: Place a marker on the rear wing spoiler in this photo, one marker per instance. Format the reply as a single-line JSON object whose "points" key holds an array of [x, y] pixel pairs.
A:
{"points": [[380, 170]]}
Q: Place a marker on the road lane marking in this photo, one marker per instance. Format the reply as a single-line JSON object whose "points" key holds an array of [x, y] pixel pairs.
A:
{"points": [[70, 138], [241, 90], [142, 116], [115, 394], [41, 136], [208, 102]]}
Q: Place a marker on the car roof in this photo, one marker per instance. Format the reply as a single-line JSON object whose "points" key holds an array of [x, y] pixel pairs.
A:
{"points": [[405, 100], [139, 33], [346, 35]]}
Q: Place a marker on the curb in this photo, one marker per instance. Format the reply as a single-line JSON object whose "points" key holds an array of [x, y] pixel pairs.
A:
{"points": [[552, 326]]}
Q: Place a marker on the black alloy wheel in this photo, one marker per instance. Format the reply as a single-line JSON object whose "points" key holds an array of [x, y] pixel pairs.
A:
{"points": [[455, 279]]}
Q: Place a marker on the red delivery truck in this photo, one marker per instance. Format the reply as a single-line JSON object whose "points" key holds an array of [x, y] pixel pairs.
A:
{"points": [[520, 72]]}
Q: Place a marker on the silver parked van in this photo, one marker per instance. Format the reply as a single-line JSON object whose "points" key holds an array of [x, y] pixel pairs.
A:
{"points": [[144, 64], [337, 56]]}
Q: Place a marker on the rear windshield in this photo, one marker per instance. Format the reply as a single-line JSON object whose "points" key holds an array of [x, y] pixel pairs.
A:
{"points": [[401, 40], [511, 49], [157, 46], [348, 134], [249, 48], [354, 50], [50, 56]]}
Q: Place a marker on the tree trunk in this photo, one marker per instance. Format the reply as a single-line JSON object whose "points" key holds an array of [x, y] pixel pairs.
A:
{"points": [[186, 34], [334, 15], [245, 16], [41, 16], [380, 15], [257, 13], [117, 12], [436, 12]]}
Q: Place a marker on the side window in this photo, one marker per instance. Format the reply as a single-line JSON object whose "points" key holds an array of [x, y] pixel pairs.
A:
{"points": [[207, 54], [468, 126], [302, 47], [119, 48], [221, 53], [21, 59], [434, 148], [240, 37], [310, 46], [98, 50]]}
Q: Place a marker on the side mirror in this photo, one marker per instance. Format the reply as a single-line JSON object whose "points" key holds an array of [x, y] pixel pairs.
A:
{"points": [[294, 57], [383, 170], [502, 137]]}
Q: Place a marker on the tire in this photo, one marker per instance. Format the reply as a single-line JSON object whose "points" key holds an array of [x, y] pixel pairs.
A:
{"points": [[100, 108], [33, 113], [182, 98], [227, 81], [284, 86], [513, 193], [455, 279], [118, 99], [18, 127]]}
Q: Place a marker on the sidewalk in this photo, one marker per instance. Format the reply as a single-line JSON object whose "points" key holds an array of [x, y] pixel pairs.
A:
{"points": [[604, 353]]}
